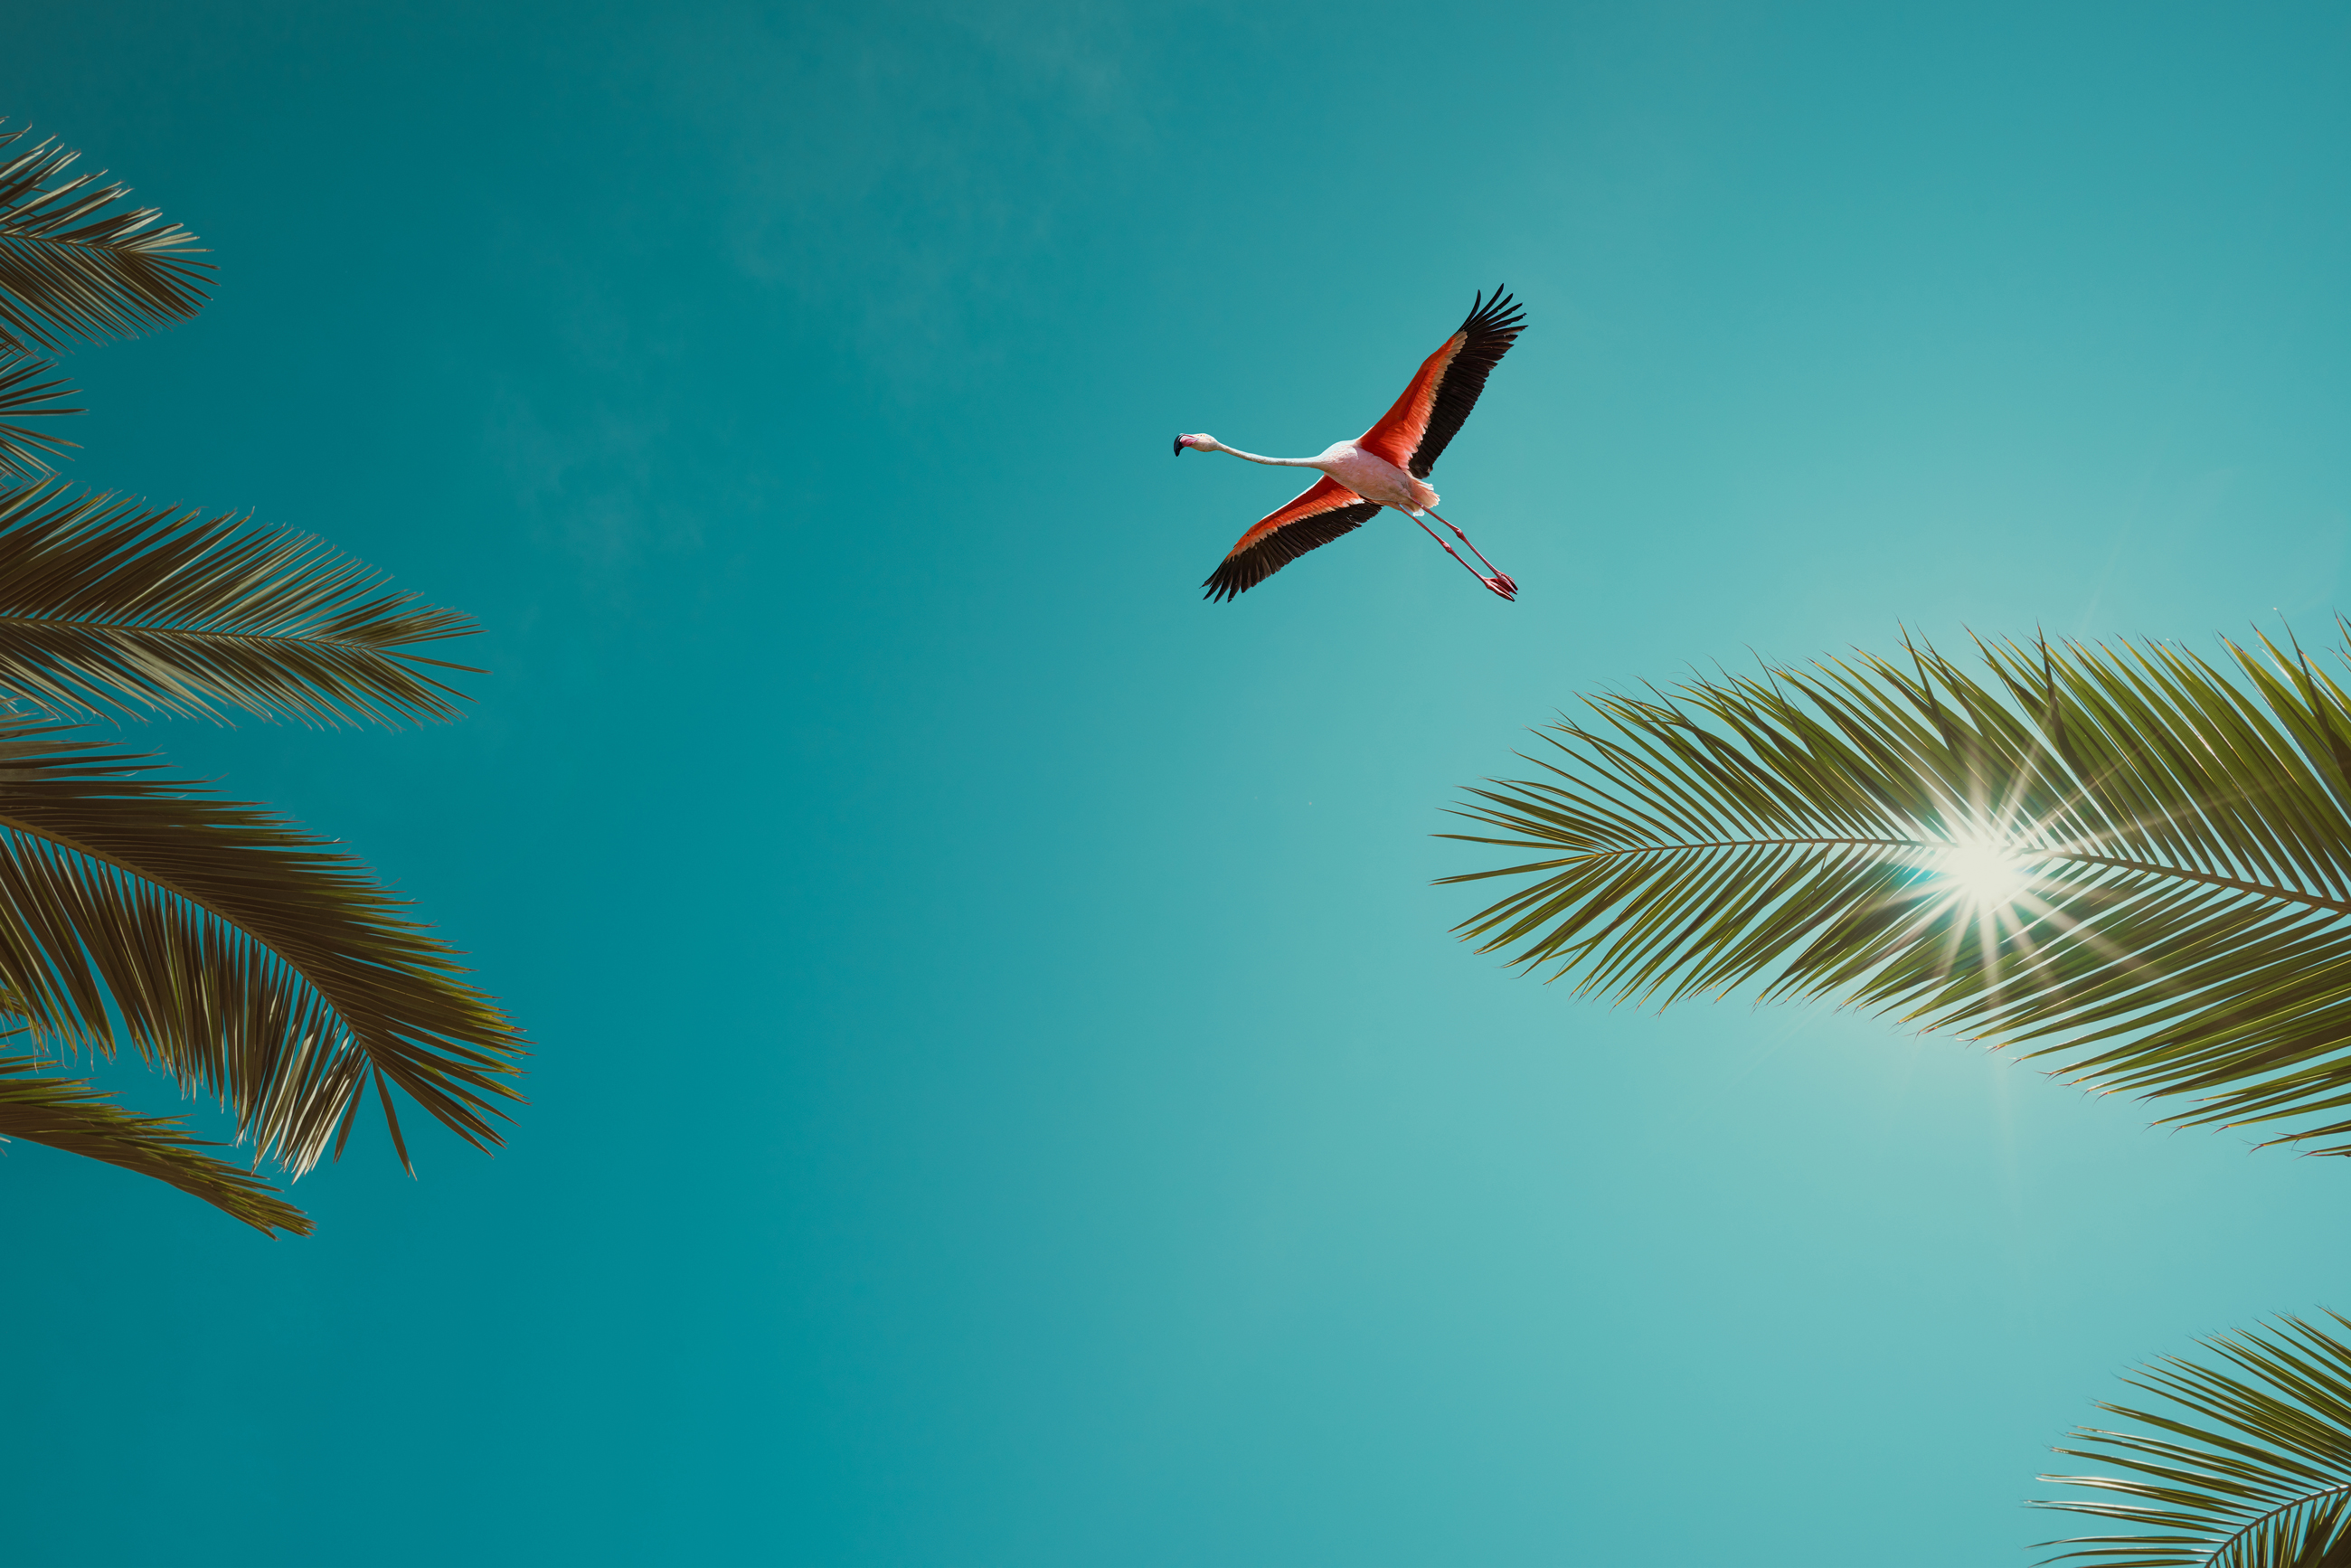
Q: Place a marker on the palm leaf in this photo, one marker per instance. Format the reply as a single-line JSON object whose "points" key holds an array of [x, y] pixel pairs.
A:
{"points": [[256, 964], [2256, 1473], [70, 1115], [75, 265], [23, 396], [107, 606], [2128, 854]]}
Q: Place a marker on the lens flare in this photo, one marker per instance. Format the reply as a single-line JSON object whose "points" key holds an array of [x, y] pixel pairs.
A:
{"points": [[1985, 872]]}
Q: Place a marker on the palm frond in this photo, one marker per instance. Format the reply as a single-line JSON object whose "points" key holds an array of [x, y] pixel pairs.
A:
{"points": [[108, 605], [2256, 1473], [24, 450], [75, 265], [2125, 855], [70, 1114], [255, 962]]}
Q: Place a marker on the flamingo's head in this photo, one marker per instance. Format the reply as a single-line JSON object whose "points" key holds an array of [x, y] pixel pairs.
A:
{"points": [[1203, 441]]}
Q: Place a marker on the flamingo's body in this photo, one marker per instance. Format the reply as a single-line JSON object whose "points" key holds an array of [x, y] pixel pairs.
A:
{"points": [[1387, 466]]}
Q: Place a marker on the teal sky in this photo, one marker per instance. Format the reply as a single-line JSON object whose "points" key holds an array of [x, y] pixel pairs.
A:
{"points": [[1003, 1093]]}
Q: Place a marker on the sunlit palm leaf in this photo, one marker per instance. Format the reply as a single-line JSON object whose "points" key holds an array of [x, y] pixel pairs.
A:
{"points": [[256, 963], [2174, 835], [67, 1113], [108, 605], [74, 265], [25, 395], [2252, 1469]]}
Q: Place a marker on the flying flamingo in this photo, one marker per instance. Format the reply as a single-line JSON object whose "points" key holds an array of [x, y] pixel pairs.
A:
{"points": [[1385, 467]]}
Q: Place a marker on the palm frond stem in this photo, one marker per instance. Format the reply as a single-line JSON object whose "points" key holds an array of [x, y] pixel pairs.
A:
{"points": [[109, 606], [2270, 1520], [2282, 895]]}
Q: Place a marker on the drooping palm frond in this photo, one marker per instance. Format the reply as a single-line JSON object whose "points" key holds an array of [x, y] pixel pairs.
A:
{"points": [[2251, 1471], [107, 606], [75, 265], [24, 450], [2125, 854], [68, 1113], [255, 962]]}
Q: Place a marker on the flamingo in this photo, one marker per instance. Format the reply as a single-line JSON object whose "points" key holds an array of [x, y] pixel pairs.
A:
{"points": [[1387, 466]]}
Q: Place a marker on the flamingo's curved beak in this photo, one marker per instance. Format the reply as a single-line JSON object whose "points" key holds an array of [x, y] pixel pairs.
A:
{"points": [[1179, 446]]}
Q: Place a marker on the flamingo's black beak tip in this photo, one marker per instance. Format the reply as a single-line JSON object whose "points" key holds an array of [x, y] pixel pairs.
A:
{"points": [[1179, 446]]}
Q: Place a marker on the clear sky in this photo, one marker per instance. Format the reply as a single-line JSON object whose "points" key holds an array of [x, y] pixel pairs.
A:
{"points": [[1004, 1091]]}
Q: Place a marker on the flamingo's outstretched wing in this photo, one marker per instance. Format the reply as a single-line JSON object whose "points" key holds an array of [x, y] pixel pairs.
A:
{"points": [[1326, 510], [1414, 432]]}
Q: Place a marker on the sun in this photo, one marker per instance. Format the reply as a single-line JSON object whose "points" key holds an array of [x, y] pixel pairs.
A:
{"points": [[1984, 871]]}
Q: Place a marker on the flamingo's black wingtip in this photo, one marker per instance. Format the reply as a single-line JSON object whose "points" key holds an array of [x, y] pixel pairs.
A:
{"points": [[1228, 582]]}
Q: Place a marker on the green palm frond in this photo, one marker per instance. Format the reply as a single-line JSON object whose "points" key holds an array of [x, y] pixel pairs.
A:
{"points": [[2251, 1471], [2127, 854], [24, 450], [108, 605], [255, 962], [75, 265], [70, 1114]]}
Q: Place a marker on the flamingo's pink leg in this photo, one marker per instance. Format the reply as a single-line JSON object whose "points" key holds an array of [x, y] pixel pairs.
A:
{"points": [[1511, 586], [1500, 582], [1489, 582]]}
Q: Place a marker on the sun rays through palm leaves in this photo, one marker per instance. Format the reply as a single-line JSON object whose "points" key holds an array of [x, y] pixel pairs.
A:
{"points": [[2126, 856], [2248, 1466]]}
